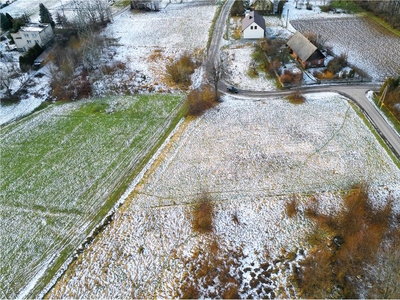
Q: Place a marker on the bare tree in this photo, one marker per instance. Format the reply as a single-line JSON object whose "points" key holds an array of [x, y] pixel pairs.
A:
{"points": [[9, 72], [215, 76]]}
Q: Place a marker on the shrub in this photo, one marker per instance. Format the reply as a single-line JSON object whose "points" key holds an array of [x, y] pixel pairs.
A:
{"points": [[178, 72], [355, 234], [203, 215], [337, 64], [326, 8], [324, 75], [200, 100], [291, 77], [237, 9], [296, 97], [291, 207]]}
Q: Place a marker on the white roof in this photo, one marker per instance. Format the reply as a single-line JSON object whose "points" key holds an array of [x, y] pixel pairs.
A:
{"points": [[34, 27]]}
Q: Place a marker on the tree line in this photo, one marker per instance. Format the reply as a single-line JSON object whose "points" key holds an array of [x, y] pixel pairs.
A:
{"points": [[388, 10]]}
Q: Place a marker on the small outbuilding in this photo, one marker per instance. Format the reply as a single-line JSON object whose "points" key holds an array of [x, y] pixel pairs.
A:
{"points": [[307, 54], [253, 26]]}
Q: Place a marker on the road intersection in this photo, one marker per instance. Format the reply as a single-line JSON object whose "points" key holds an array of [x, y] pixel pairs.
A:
{"points": [[354, 91]]}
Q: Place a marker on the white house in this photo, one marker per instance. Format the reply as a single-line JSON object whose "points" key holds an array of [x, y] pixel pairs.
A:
{"points": [[30, 34], [253, 26]]}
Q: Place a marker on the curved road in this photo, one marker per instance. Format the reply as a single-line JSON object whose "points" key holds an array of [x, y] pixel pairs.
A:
{"points": [[355, 92]]}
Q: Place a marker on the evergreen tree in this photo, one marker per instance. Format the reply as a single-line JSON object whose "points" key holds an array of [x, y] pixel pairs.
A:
{"points": [[61, 20], [45, 15], [6, 23]]}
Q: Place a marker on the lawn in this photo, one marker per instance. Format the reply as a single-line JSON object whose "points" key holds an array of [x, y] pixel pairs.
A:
{"points": [[62, 169]]}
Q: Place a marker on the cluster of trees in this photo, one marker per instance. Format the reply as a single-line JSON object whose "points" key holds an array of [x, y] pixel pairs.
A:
{"points": [[8, 23], [388, 10], [77, 48], [14, 24]]}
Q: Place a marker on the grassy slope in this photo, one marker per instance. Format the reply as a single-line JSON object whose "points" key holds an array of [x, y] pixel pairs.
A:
{"points": [[61, 172]]}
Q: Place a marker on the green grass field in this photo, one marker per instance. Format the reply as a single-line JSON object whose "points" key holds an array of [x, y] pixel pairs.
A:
{"points": [[62, 169]]}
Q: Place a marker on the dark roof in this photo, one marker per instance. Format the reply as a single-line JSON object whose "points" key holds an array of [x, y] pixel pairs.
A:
{"points": [[251, 18], [316, 55], [304, 48]]}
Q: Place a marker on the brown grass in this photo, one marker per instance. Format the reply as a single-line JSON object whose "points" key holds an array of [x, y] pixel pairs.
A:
{"points": [[210, 267], [156, 55]]}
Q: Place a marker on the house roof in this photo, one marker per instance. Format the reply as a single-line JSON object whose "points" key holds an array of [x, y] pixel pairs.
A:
{"points": [[251, 18], [304, 49], [33, 27]]}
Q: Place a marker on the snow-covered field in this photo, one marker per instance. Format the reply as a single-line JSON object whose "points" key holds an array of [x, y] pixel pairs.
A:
{"points": [[47, 213], [250, 157]]}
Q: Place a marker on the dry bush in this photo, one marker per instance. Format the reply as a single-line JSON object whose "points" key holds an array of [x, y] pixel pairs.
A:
{"points": [[200, 100], [392, 97], [355, 234], [291, 206], [296, 97], [337, 63], [202, 215], [291, 77], [324, 75], [274, 67], [179, 72], [237, 34]]}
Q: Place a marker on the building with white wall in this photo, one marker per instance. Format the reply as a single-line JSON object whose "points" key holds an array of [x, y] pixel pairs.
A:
{"points": [[30, 34], [253, 26]]}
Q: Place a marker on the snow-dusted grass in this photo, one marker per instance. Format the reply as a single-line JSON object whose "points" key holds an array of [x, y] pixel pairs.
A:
{"points": [[148, 41], [368, 45], [250, 157], [60, 169], [237, 63]]}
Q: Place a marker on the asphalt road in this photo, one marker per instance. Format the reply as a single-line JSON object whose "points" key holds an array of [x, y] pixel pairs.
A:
{"points": [[355, 92]]}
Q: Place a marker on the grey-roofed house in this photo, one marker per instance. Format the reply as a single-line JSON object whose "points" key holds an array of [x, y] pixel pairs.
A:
{"points": [[305, 52], [253, 26]]}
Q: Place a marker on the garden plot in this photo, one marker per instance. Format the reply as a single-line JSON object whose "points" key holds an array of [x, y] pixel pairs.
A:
{"points": [[369, 46], [59, 167], [237, 61], [249, 157]]}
